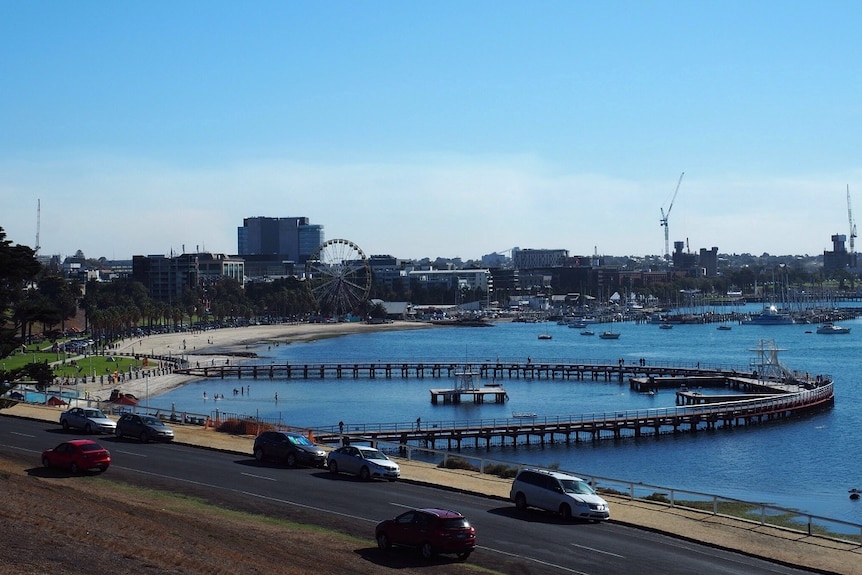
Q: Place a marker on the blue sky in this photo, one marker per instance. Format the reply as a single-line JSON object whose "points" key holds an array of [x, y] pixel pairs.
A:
{"points": [[450, 129]]}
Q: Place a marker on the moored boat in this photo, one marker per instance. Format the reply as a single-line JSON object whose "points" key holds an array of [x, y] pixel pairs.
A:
{"points": [[830, 328], [770, 315], [609, 335]]}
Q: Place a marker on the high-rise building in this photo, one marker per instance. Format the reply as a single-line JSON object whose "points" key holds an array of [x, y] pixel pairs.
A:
{"points": [[290, 239]]}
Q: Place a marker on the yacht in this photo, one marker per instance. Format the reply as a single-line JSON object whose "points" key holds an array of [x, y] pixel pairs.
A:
{"points": [[770, 315], [828, 328]]}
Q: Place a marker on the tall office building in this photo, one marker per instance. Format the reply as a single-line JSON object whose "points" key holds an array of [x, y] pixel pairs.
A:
{"points": [[292, 239]]}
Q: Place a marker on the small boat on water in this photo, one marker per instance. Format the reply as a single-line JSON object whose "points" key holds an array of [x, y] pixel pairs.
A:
{"points": [[723, 328], [830, 328], [588, 332], [665, 326], [610, 335], [524, 415], [545, 336]]}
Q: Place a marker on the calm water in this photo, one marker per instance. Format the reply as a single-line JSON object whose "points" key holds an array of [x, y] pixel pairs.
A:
{"points": [[807, 463]]}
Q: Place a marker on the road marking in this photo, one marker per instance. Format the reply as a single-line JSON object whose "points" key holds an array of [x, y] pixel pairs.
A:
{"points": [[21, 434], [597, 550], [258, 476], [534, 560], [124, 452]]}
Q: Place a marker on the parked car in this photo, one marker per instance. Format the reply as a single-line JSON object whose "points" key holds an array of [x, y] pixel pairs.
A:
{"points": [[366, 462], [287, 447], [143, 427], [430, 530], [558, 492], [77, 455], [88, 419]]}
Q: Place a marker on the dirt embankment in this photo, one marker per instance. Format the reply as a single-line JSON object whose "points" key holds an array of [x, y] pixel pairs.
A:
{"points": [[88, 524]]}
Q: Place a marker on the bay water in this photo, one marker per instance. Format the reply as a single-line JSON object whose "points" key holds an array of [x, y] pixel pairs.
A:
{"points": [[806, 463]]}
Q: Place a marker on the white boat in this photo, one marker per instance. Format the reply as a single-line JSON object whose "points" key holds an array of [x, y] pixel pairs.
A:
{"points": [[829, 328], [588, 332], [770, 316], [545, 336], [724, 328], [665, 326], [524, 415], [609, 335]]}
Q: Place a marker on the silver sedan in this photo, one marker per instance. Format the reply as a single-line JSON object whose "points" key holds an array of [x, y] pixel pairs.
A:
{"points": [[88, 419], [364, 461]]}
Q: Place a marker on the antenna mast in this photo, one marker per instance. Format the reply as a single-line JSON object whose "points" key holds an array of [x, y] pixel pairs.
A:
{"points": [[852, 223], [39, 223]]}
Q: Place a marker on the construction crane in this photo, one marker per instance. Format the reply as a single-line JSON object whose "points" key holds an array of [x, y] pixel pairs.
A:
{"points": [[666, 215], [850, 219]]}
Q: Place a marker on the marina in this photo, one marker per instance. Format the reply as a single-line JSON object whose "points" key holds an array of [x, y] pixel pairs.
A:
{"points": [[760, 462]]}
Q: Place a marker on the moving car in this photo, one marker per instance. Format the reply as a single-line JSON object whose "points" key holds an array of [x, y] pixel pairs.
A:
{"points": [[88, 419], [77, 455], [430, 530], [288, 447], [144, 427], [364, 461], [558, 492]]}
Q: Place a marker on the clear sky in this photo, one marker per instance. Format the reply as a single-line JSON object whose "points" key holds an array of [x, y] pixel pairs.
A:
{"points": [[425, 129]]}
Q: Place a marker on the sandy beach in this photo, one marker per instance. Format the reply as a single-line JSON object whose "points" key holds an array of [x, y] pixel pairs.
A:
{"points": [[220, 346]]}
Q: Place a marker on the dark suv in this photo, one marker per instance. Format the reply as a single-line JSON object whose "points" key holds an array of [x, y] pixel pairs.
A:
{"points": [[144, 427], [288, 447]]}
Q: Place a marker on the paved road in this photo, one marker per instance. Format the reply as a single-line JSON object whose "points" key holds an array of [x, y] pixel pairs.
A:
{"points": [[511, 542]]}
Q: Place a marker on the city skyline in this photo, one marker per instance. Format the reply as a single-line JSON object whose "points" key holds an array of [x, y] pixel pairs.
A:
{"points": [[559, 125]]}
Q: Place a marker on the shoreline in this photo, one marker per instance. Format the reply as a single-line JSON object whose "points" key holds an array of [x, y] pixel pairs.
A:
{"points": [[221, 346]]}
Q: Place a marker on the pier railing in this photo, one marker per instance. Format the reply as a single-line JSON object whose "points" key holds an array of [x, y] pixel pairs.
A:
{"points": [[728, 409]]}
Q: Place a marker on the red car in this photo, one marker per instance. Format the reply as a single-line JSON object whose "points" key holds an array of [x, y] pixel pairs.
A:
{"points": [[429, 530], [77, 455]]}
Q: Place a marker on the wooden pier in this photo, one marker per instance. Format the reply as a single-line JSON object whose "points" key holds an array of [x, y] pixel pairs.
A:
{"points": [[742, 411]]}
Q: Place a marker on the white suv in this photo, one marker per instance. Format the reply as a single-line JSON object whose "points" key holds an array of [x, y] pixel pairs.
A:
{"points": [[561, 493]]}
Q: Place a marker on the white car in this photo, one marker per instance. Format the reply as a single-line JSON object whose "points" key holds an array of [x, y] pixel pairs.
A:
{"points": [[88, 419], [570, 496], [364, 461]]}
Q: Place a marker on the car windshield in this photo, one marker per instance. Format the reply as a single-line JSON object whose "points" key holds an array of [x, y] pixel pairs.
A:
{"points": [[372, 454], [93, 413], [576, 486], [150, 420], [299, 440]]}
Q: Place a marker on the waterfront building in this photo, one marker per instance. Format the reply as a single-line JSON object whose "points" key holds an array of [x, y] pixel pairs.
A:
{"points": [[167, 278]]}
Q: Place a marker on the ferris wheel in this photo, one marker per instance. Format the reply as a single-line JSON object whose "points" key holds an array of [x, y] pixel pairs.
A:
{"points": [[339, 277]]}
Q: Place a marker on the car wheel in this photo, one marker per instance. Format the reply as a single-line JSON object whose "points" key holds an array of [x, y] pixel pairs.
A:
{"points": [[118, 433], [45, 462], [74, 467], [291, 459], [65, 425], [145, 437], [89, 429], [364, 474], [383, 542], [333, 467], [258, 454], [102, 468], [426, 550], [565, 511], [520, 502], [463, 554]]}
